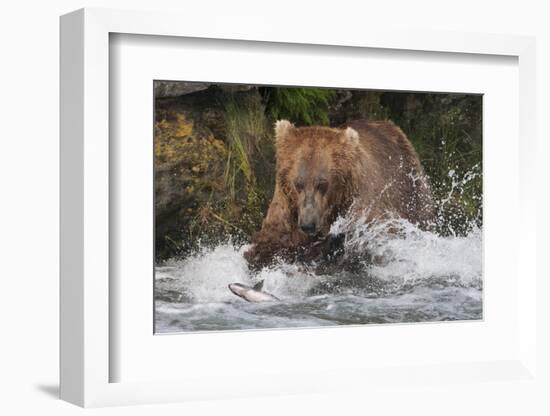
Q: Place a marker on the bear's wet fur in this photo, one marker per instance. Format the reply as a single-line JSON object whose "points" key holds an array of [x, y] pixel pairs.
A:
{"points": [[365, 169]]}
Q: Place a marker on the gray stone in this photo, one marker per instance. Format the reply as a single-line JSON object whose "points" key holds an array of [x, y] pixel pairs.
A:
{"points": [[176, 88]]}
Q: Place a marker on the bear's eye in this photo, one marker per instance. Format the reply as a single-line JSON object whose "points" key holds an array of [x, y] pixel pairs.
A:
{"points": [[299, 186], [322, 186]]}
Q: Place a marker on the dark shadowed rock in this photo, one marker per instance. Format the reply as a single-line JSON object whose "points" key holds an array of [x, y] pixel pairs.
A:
{"points": [[176, 88], [166, 89]]}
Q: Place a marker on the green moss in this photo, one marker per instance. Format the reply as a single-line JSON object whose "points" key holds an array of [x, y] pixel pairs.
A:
{"points": [[189, 171]]}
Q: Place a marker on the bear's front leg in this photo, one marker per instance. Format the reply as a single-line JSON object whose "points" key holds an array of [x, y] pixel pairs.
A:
{"points": [[269, 247], [260, 255]]}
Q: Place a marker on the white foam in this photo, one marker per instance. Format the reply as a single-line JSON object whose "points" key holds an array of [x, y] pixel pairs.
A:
{"points": [[402, 251], [204, 276], [287, 280]]}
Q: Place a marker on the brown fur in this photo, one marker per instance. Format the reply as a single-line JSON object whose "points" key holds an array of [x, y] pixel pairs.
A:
{"points": [[368, 168]]}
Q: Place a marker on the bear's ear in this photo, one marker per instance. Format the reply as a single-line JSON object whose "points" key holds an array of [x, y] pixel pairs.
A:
{"points": [[282, 128], [351, 136]]}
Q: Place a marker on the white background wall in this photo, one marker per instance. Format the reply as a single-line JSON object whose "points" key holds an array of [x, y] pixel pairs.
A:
{"points": [[29, 206]]}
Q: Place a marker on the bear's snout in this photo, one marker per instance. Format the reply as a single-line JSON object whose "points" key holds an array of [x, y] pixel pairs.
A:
{"points": [[309, 228], [309, 220]]}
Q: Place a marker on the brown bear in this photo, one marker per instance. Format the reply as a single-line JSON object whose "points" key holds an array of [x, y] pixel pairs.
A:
{"points": [[366, 169]]}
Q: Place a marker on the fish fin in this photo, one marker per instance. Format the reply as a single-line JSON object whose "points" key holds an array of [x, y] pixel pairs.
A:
{"points": [[258, 286]]}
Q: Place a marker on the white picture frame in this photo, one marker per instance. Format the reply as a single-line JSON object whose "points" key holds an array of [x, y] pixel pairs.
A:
{"points": [[86, 304]]}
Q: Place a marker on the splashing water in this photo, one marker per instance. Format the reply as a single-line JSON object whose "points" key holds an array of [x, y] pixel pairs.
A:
{"points": [[404, 253], [404, 274]]}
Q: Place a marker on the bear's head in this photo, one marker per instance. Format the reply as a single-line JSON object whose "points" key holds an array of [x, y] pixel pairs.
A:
{"points": [[315, 173]]}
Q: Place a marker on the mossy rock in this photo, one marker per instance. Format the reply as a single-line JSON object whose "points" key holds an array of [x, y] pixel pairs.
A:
{"points": [[189, 169]]}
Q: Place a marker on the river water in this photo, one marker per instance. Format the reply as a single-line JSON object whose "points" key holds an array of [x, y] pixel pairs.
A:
{"points": [[400, 274]]}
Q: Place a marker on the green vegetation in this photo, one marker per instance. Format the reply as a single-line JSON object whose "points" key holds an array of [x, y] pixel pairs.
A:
{"points": [[304, 106], [214, 154], [246, 129]]}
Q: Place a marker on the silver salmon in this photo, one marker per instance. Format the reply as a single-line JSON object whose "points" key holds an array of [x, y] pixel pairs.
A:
{"points": [[252, 294]]}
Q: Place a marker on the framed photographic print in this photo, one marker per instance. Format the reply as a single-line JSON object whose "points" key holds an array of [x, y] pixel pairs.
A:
{"points": [[262, 222], [330, 208]]}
